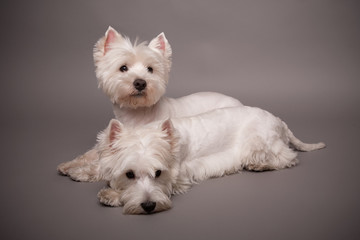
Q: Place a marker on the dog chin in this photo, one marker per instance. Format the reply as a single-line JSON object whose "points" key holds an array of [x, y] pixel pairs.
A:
{"points": [[138, 94], [136, 100]]}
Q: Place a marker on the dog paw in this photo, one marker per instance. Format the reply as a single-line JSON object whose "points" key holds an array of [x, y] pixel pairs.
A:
{"points": [[292, 163], [63, 168], [109, 197], [66, 167], [83, 174], [259, 167]]}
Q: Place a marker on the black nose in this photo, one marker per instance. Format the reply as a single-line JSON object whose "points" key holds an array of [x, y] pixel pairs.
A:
{"points": [[148, 206], [139, 84]]}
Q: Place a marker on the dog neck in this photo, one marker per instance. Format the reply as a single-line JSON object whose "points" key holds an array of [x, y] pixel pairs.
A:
{"points": [[133, 117]]}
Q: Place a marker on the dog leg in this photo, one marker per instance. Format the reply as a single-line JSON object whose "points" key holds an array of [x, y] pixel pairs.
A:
{"points": [[83, 168], [87, 173], [211, 166], [109, 197], [264, 158]]}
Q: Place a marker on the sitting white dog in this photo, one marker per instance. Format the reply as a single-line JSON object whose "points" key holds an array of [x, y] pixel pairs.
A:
{"points": [[135, 78], [147, 164]]}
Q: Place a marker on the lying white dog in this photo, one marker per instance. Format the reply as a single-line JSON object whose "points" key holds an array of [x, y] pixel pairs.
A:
{"points": [[147, 164]]}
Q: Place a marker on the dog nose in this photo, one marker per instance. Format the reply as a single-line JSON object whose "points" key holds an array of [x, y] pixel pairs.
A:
{"points": [[139, 84], [148, 206]]}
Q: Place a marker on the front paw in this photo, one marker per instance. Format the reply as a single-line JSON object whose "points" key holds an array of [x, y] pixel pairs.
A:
{"points": [[109, 197], [84, 174], [63, 168]]}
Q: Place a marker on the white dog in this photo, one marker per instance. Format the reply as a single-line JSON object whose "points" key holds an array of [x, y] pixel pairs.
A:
{"points": [[135, 78], [147, 164]]}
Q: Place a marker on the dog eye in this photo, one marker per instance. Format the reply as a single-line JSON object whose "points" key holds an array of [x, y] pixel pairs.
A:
{"points": [[130, 175], [157, 173], [124, 68], [150, 69]]}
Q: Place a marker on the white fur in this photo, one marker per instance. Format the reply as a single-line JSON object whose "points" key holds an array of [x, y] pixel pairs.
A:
{"points": [[132, 107], [190, 150], [212, 144], [137, 107]]}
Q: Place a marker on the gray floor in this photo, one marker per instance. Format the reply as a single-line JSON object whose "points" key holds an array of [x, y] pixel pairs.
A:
{"points": [[298, 59]]}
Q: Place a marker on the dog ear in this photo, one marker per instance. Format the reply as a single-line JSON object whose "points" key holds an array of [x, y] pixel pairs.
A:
{"points": [[111, 36], [160, 43], [168, 128], [115, 128]]}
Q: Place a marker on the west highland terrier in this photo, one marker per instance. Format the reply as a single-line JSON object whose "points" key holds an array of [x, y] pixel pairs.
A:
{"points": [[135, 76], [148, 164]]}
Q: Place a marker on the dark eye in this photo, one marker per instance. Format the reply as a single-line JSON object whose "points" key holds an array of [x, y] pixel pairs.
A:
{"points": [[157, 173], [124, 68], [150, 69], [130, 174]]}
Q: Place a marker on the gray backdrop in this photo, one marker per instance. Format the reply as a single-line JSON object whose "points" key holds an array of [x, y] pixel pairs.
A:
{"points": [[298, 59]]}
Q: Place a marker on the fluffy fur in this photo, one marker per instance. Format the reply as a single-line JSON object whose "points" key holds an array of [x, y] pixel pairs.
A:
{"points": [[146, 158], [114, 51], [134, 77], [148, 164]]}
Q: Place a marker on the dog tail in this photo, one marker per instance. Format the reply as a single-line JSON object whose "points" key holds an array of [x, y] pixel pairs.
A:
{"points": [[301, 146]]}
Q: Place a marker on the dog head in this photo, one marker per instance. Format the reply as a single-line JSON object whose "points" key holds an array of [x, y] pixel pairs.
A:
{"points": [[140, 164], [132, 75]]}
